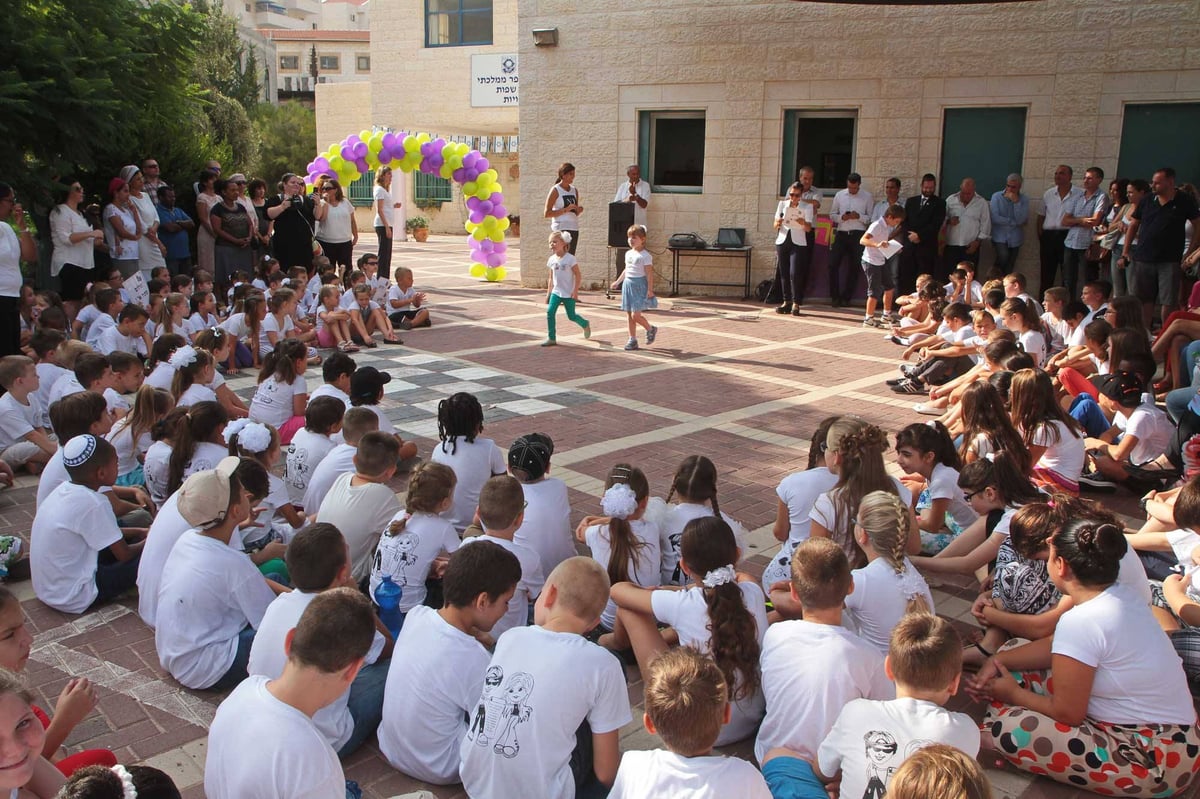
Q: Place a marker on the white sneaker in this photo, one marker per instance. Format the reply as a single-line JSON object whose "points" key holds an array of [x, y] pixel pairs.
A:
{"points": [[928, 409]]}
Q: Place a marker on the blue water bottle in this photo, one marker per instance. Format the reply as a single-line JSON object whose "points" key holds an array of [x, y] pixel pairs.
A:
{"points": [[387, 597]]}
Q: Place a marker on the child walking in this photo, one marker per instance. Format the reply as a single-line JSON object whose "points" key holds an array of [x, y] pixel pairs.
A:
{"points": [[637, 286], [563, 287]]}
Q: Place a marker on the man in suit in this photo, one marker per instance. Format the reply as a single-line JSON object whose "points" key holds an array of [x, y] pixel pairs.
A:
{"points": [[923, 218]]}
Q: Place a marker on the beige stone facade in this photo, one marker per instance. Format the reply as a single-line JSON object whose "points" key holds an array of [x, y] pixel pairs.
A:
{"points": [[1073, 64]]}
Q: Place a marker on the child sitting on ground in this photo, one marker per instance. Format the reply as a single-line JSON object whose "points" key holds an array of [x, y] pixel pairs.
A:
{"points": [[526, 739], [1140, 433], [355, 424], [360, 504], [366, 391], [128, 335], [322, 420], [695, 490], [108, 305], [278, 519], [405, 304], [501, 512], [46, 345], [282, 393], [687, 704], [128, 373], [336, 371], [925, 661], [90, 372], [24, 442], [78, 554], [547, 525], [317, 561], [118, 782], [325, 653], [131, 434], [473, 459], [926, 453], [426, 705]]}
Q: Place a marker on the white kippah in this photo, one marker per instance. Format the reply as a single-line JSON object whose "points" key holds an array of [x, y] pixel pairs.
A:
{"points": [[79, 450]]}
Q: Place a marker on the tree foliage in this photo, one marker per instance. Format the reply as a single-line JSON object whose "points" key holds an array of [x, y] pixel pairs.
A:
{"points": [[288, 135]]}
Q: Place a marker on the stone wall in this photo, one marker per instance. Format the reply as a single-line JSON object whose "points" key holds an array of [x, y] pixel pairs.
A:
{"points": [[1072, 63]]}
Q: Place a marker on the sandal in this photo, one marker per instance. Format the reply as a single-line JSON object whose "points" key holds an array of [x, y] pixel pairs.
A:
{"points": [[392, 341]]}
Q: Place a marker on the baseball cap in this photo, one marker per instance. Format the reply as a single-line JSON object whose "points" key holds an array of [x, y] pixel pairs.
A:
{"points": [[854, 177], [531, 454], [1123, 388], [366, 382], [204, 496]]}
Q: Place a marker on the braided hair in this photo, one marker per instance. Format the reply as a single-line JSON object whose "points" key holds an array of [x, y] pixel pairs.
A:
{"points": [[886, 521], [460, 415]]}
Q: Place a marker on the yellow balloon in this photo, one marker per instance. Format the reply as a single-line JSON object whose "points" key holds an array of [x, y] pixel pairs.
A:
{"points": [[448, 151], [411, 145], [503, 223], [491, 175], [490, 275], [496, 235], [479, 234], [471, 226], [375, 143], [422, 138], [470, 188], [500, 271], [478, 270], [364, 134], [446, 172], [483, 192]]}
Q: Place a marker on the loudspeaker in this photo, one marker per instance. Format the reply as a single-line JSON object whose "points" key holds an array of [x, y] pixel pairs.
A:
{"points": [[620, 217]]}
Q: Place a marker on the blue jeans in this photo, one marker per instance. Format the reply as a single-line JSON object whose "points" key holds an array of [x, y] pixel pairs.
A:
{"points": [[238, 670], [1086, 411], [792, 778], [1177, 402], [1006, 256], [366, 704]]}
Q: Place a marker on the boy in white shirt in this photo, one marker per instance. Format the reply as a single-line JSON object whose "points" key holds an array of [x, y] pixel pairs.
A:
{"points": [[879, 248], [128, 373], [870, 739], [356, 423], [501, 512], [426, 705], [263, 742], [547, 525], [1014, 286], [78, 554], [405, 304], [336, 371], [318, 560], [108, 304], [211, 597], [45, 345], [1055, 300], [128, 335], [366, 391], [687, 702], [812, 667], [1140, 432], [525, 737], [91, 373], [361, 504], [941, 360], [310, 445], [24, 442]]}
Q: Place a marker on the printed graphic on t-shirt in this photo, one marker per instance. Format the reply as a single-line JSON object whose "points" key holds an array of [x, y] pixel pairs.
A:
{"points": [[568, 200], [882, 760], [501, 710], [297, 471], [400, 553]]}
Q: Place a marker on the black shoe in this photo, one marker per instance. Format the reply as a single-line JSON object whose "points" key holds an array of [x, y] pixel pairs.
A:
{"points": [[796, 311], [786, 308], [895, 381], [909, 386], [1095, 481]]}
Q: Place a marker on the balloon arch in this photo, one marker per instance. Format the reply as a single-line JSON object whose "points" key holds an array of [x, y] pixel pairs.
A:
{"points": [[359, 153]]}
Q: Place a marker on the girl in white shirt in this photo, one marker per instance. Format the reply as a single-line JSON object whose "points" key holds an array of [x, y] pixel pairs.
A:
{"points": [[171, 316], [194, 370], [333, 323], [563, 288], [925, 451], [244, 326], [282, 393], [636, 283], [219, 344], [623, 541], [1021, 318], [198, 444], [695, 488], [204, 313], [281, 519], [130, 436], [1053, 439], [473, 459], [986, 426], [889, 586]]}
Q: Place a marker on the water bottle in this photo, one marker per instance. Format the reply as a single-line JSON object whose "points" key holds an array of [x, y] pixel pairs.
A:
{"points": [[387, 597]]}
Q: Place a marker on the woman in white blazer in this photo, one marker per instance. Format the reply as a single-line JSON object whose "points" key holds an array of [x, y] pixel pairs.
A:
{"points": [[793, 218]]}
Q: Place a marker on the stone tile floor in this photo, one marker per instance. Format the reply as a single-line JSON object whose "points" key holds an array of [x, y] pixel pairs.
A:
{"points": [[726, 378]]}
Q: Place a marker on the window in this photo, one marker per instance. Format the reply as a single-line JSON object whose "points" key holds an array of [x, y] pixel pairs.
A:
{"points": [[1163, 134], [451, 23], [331, 63], [363, 63], [987, 144], [289, 62], [361, 191], [430, 190], [823, 140], [671, 146]]}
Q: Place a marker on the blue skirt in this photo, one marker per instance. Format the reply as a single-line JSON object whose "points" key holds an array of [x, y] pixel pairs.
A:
{"points": [[633, 295]]}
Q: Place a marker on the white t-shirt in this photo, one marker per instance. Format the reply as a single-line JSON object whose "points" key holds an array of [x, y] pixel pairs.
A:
{"points": [[562, 276], [267, 658], [155, 468], [102, 323], [1151, 426], [1139, 678], [880, 231], [891, 731], [1064, 457], [360, 512], [799, 491], [208, 593], [65, 386], [115, 401], [433, 686], [113, 340], [687, 612], [263, 748], [943, 484], [272, 401], [877, 603], [304, 454], [339, 461], [671, 530], [54, 475], [17, 419], [380, 193], [528, 588], [385, 424], [237, 326], [522, 733], [809, 672], [547, 525], [161, 376], [206, 456], [643, 566], [198, 323], [1133, 575], [402, 296], [128, 450], [473, 462], [638, 263], [658, 773], [408, 555], [330, 390], [272, 325], [167, 528], [48, 375], [69, 531], [1034, 345], [195, 393], [824, 513]]}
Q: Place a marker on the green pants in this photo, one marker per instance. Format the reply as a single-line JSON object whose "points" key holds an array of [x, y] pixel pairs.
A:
{"points": [[552, 312]]}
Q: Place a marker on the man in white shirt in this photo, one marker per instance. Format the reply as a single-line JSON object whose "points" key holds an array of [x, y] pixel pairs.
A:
{"points": [[1052, 234], [636, 192], [1081, 213], [968, 225], [263, 741], [851, 212], [891, 196], [812, 196]]}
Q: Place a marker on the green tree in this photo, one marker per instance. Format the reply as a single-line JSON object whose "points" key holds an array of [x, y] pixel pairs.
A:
{"points": [[288, 138]]}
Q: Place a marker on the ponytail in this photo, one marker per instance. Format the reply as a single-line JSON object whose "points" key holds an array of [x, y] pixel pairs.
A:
{"points": [[887, 522], [625, 547], [280, 363], [696, 481], [199, 424]]}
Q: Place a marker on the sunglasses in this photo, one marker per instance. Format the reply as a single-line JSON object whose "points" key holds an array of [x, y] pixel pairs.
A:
{"points": [[968, 497]]}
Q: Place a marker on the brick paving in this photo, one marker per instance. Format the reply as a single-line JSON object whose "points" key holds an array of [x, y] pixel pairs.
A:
{"points": [[726, 378]]}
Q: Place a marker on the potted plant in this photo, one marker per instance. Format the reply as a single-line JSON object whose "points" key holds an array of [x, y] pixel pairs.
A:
{"points": [[418, 226], [514, 225]]}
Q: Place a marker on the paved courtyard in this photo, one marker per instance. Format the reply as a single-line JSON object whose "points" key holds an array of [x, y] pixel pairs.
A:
{"points": [[726, 378]]}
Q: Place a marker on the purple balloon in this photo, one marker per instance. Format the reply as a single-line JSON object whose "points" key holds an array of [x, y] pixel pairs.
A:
{"points": [[470, 158], [494, 259], [389, 141], [347, 152], [472, 173], [496, 198], [483, 165], [477, 216], [363, 166], [353, 139], [321, 162], [460, 175], [499, 211], [473, 203], [360, 150], [499, 246], [438, 144], [485, 206]]}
